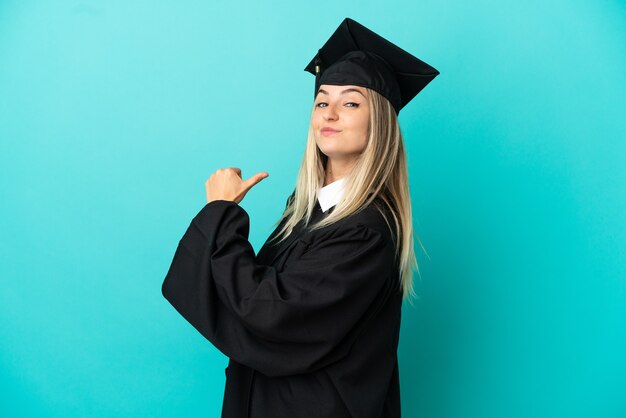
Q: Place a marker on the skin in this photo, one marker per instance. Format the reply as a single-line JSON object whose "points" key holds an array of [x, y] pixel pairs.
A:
{"points": [[344, 108], [227, 184]]}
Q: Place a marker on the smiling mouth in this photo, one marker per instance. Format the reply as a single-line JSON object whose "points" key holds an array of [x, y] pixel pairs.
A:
{"points": [[329, 132]]}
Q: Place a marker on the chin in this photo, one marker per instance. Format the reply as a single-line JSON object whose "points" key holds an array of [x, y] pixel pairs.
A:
{"points": [[336, 155], [329, 151]]}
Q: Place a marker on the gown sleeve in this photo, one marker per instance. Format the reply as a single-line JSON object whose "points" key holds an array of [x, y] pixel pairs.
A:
{"points": [[284, 322]]}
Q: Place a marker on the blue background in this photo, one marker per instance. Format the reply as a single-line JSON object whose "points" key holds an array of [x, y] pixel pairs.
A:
{"points": [[113, 114]]}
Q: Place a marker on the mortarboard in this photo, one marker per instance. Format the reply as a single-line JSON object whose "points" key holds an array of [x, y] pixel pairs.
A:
{"points": [[354, 55]]}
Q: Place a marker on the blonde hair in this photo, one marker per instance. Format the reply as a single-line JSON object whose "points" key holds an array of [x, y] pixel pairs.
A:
{"points": [[381, 171]]}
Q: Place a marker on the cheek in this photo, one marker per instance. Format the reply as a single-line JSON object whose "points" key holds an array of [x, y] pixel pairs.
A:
{"points": [[313, 120], [365, 131], [359, 135], [364, 126]]}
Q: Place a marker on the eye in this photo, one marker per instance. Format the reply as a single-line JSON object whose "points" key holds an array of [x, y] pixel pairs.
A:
{"points": [[348, 104]]}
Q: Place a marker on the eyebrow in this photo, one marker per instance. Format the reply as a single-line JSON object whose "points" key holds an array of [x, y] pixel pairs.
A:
{"points": [[345, 91]]}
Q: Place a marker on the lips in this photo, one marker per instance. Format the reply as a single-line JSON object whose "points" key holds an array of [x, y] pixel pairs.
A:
{"points": [[329, 131]]}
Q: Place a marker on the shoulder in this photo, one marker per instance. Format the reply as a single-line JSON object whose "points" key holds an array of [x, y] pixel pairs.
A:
{"points": [[372, 223], [361, 235], [378, 217]]}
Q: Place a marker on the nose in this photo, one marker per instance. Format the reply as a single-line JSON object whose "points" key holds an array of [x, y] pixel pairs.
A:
{"points": [[330, 113]]}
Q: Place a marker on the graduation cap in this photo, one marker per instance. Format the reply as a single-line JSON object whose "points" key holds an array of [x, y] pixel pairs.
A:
{"points": [[354, 55]]}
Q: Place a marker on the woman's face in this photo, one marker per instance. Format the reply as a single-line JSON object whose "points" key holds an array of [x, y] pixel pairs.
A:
{"points": [[340, 121]]}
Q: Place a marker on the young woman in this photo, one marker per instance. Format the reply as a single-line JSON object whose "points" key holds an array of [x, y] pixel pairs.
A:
{"points": [[311, 323]]}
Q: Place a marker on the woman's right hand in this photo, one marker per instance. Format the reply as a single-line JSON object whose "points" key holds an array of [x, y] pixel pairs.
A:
{"points": [[227, 184]]}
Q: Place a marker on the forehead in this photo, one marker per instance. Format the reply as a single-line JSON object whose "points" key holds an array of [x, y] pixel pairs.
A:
{"points": [[343, 89]]}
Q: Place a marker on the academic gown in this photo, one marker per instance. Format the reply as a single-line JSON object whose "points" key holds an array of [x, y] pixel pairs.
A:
{"points": [[310, 326]]}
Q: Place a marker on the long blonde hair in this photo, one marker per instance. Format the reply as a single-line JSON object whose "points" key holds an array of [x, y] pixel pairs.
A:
{"points": [[381, 171]]}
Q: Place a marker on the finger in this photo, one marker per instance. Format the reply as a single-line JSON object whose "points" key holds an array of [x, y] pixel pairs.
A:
{"points": [[255, 179], [237, 170]]}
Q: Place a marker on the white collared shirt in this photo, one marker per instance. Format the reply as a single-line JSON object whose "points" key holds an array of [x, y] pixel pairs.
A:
{"points": [[331, 194]]}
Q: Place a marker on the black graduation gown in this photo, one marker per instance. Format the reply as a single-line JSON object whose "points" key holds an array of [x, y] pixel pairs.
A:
{"points": [[311, 326]]}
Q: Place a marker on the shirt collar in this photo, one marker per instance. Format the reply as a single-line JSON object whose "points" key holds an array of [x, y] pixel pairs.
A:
{"points": [[329, 195]]}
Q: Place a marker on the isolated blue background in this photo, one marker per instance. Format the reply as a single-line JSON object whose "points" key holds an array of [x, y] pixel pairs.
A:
{"points": [[113, 114]]}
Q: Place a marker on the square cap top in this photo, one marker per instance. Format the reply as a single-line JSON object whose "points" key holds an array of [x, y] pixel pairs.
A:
{"points": [[354, 55]]}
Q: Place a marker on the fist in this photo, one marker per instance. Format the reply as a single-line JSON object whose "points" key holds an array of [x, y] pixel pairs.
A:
{"points": [[227, 184]]}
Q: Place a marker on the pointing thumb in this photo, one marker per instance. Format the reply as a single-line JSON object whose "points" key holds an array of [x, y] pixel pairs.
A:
{"points": [[256, 178]]}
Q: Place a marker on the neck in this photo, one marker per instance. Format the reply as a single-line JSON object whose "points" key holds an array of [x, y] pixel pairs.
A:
{"points": [[337, 169]]}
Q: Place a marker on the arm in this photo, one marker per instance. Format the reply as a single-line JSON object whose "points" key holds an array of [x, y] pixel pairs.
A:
{"points": [[279, 323]]}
